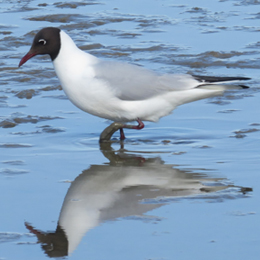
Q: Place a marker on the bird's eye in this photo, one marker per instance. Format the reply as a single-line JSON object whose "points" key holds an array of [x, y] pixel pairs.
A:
{"points": [[42, 41]]}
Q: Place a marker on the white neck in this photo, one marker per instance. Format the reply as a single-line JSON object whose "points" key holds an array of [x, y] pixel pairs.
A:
{"points": [[71, 60]]}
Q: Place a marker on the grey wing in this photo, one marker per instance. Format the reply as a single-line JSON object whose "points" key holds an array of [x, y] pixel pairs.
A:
{"points": [[132, 82]]}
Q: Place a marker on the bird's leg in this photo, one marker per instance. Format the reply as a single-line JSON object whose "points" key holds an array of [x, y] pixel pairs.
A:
{"points": [[122, 135], [137, 127], [140, 125], [110, 130]]}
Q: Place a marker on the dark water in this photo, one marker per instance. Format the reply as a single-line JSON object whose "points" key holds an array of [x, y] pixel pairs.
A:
{"points": [[184, 188]]}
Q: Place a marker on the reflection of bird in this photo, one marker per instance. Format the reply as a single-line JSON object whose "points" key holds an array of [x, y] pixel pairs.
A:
{"points": [[117, 91], [129, 185]]}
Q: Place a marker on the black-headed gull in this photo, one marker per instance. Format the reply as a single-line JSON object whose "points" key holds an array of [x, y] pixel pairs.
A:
{"points": [[119, 91]]}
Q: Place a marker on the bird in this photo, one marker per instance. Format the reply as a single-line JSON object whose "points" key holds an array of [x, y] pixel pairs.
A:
{"points": [[118, 91]]}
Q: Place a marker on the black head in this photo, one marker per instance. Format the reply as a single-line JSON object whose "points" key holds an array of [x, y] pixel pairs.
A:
{"points": [[46, 41]]}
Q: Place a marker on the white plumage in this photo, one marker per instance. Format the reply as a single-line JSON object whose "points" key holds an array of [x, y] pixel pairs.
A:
{"points": [[119, 91]]}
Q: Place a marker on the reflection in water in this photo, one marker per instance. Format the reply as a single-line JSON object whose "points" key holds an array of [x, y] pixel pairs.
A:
{"points": [[129, 185]]}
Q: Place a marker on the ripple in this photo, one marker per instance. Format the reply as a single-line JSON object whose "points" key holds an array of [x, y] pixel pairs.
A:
{"points": [[19, 118], [247, 131], [29, 93], [12, 171], [247, 2], [243, 132], [15, 145], [9, 237], [56, 18], [74, 5], [228, 111], [14, 162]]}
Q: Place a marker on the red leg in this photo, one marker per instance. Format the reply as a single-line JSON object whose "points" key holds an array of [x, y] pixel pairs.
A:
{"points": [[110, 130], [137, 127], [122, 135]]}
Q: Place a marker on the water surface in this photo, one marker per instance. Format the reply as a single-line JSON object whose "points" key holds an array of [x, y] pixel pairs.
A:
{"points": [[183, 188]]}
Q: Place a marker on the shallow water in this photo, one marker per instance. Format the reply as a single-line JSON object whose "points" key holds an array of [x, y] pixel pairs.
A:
{"points": [[186, 187]]}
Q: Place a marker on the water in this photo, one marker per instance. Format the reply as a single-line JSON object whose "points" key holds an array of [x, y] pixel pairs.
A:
{"points": [[184, 188]]}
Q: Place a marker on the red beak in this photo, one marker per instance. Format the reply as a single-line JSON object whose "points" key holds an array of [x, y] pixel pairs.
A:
{"points": [[28, 56]]}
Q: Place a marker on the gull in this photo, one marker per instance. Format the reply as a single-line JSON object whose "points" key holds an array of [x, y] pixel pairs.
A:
{"points": [[119, 91]]}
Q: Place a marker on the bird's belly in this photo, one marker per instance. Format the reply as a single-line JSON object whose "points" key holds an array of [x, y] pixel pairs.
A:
{"points": [[97, 101]]}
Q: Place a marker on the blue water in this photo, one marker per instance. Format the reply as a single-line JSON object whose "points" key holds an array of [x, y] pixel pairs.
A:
{"points": [[186, 187]]}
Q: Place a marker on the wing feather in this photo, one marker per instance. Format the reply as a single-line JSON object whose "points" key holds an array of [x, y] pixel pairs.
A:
{"points": [[132, 82]]}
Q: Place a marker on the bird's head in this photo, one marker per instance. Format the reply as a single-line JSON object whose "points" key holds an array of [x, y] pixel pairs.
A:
{"points": [[46, 41]]}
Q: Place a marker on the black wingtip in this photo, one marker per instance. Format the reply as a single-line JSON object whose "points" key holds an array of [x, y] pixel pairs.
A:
{"points": [[213, 79], [243, 86], [244, 78]]}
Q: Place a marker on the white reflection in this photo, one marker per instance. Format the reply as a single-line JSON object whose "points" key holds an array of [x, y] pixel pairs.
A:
{"points": [[115, 190]]}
